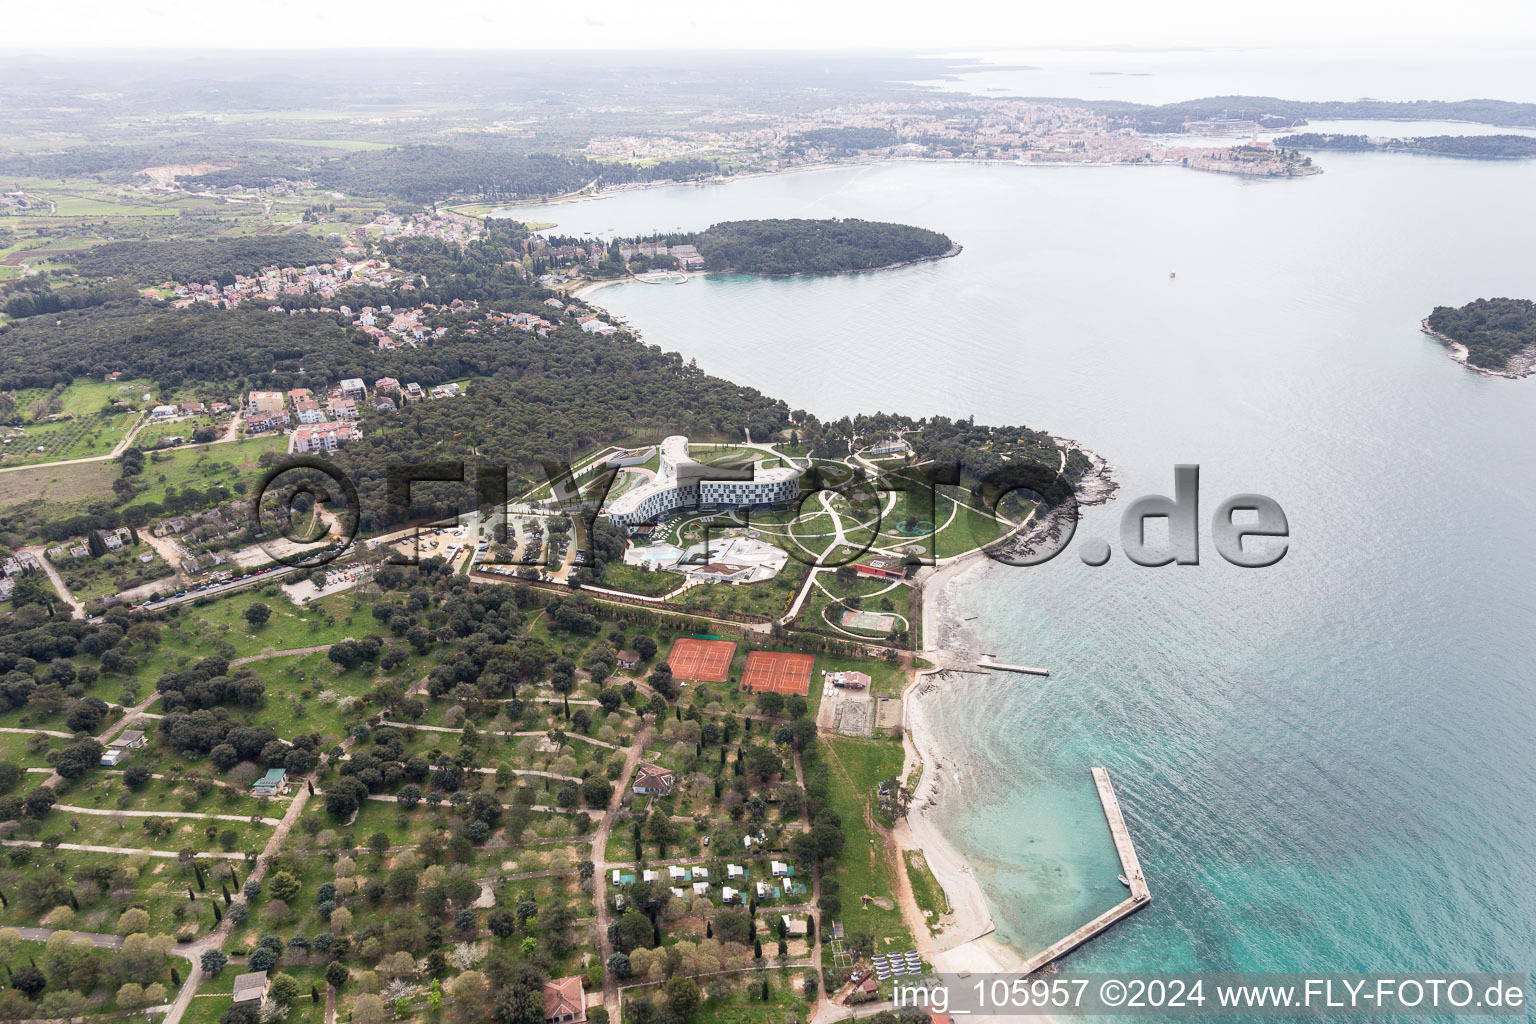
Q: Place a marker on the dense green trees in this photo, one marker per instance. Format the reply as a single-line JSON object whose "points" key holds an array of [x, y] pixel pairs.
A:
{"points": [[1491, 329]]}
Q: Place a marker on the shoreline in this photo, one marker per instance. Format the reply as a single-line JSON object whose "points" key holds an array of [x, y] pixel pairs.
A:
{"points": [[968, 943], [1521, 364]]}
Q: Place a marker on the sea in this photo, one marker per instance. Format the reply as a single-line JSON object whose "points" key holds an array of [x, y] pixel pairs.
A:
{"points": [[1328, 764]]}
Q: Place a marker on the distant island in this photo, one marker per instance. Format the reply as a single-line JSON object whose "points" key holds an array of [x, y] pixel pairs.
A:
{"points": [[1483, 147], [778, 248], [1492, 336]]}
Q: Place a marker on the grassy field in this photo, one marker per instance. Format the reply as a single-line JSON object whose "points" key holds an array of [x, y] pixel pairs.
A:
{"points": [[926, 889], [58, 484], [867, 865], [206, 465]]}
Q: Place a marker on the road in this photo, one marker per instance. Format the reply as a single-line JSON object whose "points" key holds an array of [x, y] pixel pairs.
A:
{"points": [[600, 871]]}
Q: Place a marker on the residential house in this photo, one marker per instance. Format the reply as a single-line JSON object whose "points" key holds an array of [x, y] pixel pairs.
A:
{"points": [[565, 1001], [266, 422], [849, 680], [251, 988], [308, 411], [386, 384], [342, 408], [271, 783], [163, 412], [653, 781], [628, 659], [266, 401], [323, 437], [119, 749], [353, 388]]}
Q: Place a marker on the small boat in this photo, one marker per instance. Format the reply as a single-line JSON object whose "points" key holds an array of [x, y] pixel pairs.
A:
{"points": [[1125, 881]]}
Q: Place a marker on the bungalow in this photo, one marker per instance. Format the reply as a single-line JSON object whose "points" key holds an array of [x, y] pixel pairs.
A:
{"points": [[735, 871], [701, 888], [623, 877], [894, 446], [781, 869], [766, 891], [251, 988], [681, 894], [565, 1001], [649, 876], [723, 572], [701, 872], [729, 895], [794, 927], [270, 784], [678, 874], [628, 659], [849, 680], [882, 567], [650, 780]]}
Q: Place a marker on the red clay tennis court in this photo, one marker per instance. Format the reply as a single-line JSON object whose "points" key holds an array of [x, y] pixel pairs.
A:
{"points": [[704, 661], [778, 672]]}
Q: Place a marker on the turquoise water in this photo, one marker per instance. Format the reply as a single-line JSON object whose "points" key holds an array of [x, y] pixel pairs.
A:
{"points": [[1328, 764]]}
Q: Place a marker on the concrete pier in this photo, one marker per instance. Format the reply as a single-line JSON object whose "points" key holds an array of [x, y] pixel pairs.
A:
{"points": [[1130, 867], [1025, 669]]}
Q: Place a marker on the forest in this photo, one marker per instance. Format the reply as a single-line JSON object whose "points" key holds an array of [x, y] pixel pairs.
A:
{"points": [[1493, 330], [212, 259], [1488, 147], [429, 173]]}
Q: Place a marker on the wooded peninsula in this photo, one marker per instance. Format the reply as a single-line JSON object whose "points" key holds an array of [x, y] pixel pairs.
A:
{"points": [[1485, 147], [780, 247]]}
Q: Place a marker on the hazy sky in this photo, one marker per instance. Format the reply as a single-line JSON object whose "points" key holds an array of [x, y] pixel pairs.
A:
{"points": [[775, 24]]}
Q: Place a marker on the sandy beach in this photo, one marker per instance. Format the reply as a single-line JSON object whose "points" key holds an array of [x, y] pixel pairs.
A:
{"points": [[966, 945]]}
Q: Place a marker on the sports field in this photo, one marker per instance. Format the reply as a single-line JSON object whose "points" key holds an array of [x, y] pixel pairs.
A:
{"points": [[872, 621], [778, 672], [704, 661]]}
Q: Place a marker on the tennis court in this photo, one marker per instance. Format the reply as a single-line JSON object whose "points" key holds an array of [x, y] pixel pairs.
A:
{"points": [[873, 621], [778, 672], [704, 661]]}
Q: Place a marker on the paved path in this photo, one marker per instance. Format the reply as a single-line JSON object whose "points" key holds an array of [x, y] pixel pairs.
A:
{"points": [[108, 812], [125, 850], [53, 575]]}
